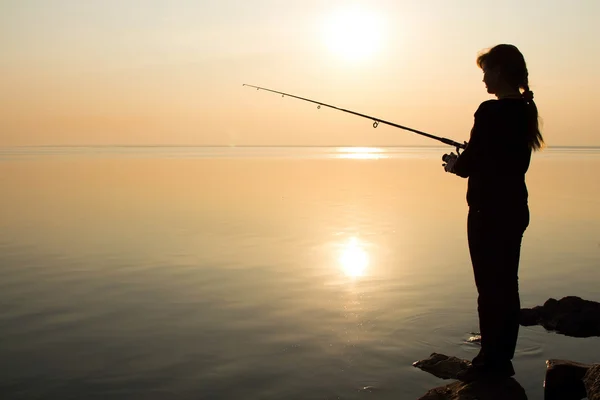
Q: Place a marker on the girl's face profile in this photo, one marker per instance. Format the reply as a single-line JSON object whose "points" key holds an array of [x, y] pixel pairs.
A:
{"points": [[491, 78]]}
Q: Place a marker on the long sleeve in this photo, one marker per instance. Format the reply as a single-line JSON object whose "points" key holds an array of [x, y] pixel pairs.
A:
{"points": [[464, 162], [468, 160]]}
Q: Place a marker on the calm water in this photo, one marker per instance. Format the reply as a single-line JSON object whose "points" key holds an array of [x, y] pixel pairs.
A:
{"points": [[265, 273]]}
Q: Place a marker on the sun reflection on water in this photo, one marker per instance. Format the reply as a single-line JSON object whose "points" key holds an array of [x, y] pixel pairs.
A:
{"points": [[361, 153], [354, 260]]}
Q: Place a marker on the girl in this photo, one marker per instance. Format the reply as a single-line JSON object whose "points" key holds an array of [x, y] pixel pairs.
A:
{"points": [[495, 160]]}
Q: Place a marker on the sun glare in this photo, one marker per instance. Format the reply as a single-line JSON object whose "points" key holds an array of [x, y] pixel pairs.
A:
{"points": [[354, 259], [354, 33], [361, 153]]}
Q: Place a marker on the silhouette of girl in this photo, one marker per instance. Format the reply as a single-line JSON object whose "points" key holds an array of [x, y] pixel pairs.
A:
{"points": [[504, 134]]}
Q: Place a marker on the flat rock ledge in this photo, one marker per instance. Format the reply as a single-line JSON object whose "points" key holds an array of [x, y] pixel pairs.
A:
{"points": [[570, 316], [447, 367]]}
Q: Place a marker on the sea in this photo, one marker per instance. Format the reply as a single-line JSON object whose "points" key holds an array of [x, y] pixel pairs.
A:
{"points": [[174, 272]]}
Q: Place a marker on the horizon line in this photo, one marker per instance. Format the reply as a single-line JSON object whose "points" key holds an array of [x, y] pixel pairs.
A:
{"points": [[257, 146]]}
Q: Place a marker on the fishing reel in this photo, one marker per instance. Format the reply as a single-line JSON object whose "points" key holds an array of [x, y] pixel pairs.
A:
{"points": [[448, 157]]}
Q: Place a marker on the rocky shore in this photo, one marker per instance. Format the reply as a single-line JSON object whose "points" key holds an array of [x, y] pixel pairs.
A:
{"points": [[565, 380]]}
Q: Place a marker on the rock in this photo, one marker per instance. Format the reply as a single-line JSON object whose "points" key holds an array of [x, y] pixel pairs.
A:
{"points": [[564, 380], [490, 390], [530, 316], [446, 367], [442, 366], [570, 316], [591, 381]]}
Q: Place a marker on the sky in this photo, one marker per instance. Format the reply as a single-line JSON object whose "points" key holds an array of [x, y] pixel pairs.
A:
{"points": [[153, 72]]}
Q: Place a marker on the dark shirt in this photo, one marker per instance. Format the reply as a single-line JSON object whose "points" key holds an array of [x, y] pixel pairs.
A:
{"points": [[497, 156]]}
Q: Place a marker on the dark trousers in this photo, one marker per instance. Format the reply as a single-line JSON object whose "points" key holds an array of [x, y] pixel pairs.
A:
{"points": [[495, 245]]}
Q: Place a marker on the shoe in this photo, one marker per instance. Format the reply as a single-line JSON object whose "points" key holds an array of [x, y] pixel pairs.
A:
{"points": [[479, 372], [479, 359], [473, 373]]}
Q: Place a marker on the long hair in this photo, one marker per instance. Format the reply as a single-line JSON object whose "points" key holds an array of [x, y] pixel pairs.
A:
{"points": [[514, 70]]}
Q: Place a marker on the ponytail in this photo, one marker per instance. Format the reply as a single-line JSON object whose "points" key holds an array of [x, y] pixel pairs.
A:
{"points": [[534, 136]]}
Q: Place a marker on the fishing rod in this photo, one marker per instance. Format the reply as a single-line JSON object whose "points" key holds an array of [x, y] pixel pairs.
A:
{"points": [[376, 121]]}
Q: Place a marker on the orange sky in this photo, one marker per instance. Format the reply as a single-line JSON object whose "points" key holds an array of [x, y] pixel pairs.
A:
{"points": [[171, 72]]}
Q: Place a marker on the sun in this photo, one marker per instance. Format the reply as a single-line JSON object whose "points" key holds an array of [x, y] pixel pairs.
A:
{"points": [[354, 33]]}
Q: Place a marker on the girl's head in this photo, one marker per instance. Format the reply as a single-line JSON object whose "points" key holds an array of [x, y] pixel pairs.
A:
{"points": [[505, 71]]}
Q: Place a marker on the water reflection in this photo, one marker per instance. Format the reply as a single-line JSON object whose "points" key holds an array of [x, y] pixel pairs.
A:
{"points": [[353, 259], [361, 153]]}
